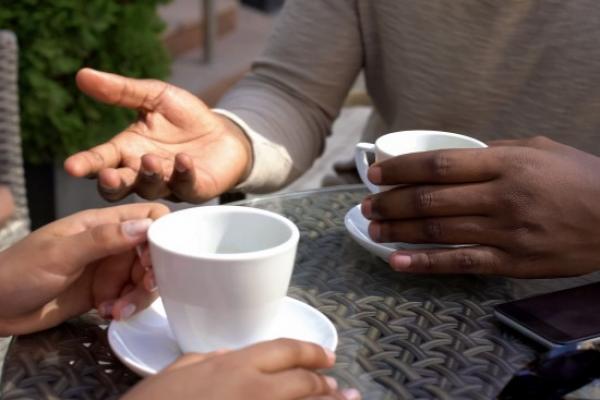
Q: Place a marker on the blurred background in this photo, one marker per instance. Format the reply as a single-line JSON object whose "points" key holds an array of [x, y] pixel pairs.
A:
{"points": [[204, 46]]}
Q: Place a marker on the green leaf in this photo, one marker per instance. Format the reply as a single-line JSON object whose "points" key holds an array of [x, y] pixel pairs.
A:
{"points": [[56, 38]]}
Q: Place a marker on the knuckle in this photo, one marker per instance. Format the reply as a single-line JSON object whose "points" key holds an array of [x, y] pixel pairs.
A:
{"points": [[311, 381], [539, 141], [429, 262], [159, 209], [440, 165], [423, 200], [432, 230], [466, 261], [163, 90], [102, 236], [292, 347]]}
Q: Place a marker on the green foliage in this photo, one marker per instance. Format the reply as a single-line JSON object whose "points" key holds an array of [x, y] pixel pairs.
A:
{"points": [[56, 39]]}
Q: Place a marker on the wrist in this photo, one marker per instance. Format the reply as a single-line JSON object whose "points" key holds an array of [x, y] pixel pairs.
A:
{"points": [[237, 130]]}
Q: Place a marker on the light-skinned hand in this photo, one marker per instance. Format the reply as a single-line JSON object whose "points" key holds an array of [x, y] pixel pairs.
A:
{"points": [[84, 261], [277, 370], [177, 149], [532, 205]]}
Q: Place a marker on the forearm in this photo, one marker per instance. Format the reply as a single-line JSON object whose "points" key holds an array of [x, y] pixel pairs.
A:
{"points": [[43, 318], [296, 88], [17, 284]]}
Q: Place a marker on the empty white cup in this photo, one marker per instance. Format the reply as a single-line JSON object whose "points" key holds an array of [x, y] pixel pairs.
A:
{"points": [[222, 272], [405, 142]]}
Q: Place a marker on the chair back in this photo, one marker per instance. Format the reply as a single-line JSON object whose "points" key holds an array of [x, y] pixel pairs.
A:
{"points": [[12, 173]]}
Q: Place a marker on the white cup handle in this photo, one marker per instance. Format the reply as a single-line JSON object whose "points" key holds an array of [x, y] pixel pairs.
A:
{"points": [[362, 163]]}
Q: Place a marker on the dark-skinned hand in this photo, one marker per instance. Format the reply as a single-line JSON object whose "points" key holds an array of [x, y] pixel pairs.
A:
{"points": [[532, 206]]}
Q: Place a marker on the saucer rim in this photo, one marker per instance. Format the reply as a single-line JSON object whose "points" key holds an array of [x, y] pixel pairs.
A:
{"points": [[384, 250], [145, 370], [364, 241]]}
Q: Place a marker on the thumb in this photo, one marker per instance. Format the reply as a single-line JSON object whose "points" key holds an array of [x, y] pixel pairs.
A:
{"points": [[105, 240], [119, 90]]}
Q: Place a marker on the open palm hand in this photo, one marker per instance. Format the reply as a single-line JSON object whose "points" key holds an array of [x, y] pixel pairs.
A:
{"points": [[178, 148]]}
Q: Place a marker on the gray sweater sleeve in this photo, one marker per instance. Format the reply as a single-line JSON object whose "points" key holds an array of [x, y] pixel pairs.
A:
{"points": [[296, 88]]}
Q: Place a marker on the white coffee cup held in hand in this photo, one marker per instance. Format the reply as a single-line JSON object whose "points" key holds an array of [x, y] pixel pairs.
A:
{"points": [[405, 142], [222, 272]]}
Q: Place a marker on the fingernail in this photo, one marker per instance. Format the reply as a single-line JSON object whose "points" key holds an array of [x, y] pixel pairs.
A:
{"points": [[151, 284], [330, 355], [180, 168], [127, 311], [400, 261], [351, 394], [375, 231], [148, 174], [367, 207], [331, 383], [105, 309], [107, 189], [139, 250], [136, 228], [374, 175]]}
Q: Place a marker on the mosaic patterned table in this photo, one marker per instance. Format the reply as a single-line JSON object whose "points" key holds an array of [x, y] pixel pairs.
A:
{"points": [[402, 336]]}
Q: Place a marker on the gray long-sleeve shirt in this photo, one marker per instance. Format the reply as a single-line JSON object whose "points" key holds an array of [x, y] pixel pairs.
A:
{"points": [[487, 68]]}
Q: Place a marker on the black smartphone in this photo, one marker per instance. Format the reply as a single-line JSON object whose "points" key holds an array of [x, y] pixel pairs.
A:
{"points": [[557, 318]]}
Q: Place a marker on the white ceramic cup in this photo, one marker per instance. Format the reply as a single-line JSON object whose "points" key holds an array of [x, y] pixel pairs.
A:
{"points": [[222, 272], [405, 142]]}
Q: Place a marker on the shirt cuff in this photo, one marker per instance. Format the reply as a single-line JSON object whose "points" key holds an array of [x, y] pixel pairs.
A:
{"points": [[271, 162]]}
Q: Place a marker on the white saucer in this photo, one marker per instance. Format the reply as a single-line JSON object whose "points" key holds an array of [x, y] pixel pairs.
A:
{"points": [[145, 344], [358, 227]]}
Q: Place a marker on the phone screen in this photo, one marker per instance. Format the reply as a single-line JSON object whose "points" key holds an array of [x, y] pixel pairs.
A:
{"points": [[560, 317]]}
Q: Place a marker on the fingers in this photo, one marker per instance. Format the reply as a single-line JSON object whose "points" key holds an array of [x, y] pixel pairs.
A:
{"points": [[538, 142], [151, 182], [118, 90], [115, 183], [104, 240], [441, 166], [123, 286], [118, 214], [135, 300], [505, 142], [90, 162], [110, 277], [465, 260], [449, 230], [144, 255], [282, 354], [428, 201], [301, 383], [138, 272], [183, 182], [149, 281]]}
